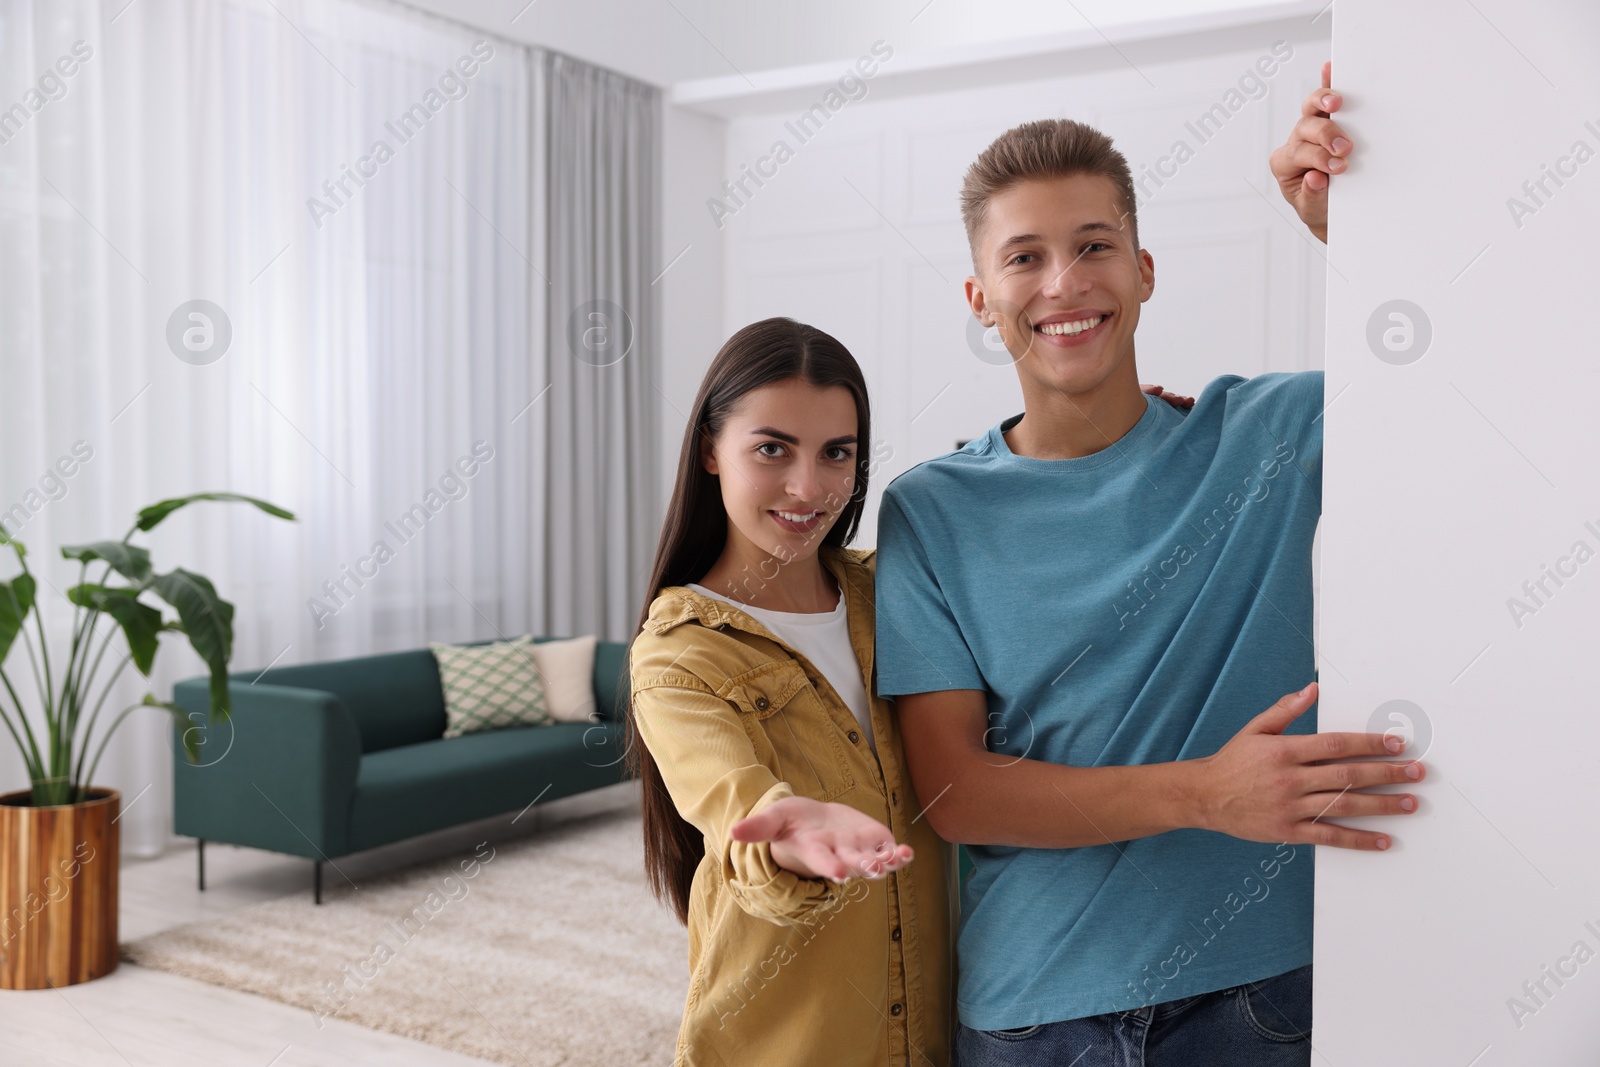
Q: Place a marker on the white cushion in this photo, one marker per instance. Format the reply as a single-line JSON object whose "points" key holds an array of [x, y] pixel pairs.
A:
{"points": [[567, 667]]}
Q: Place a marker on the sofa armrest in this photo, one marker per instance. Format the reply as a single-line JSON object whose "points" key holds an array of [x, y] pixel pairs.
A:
{"points": [[280, 775], [610, 680]]}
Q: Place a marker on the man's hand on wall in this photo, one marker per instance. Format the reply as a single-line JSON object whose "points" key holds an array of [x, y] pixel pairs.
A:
{"points": [[1316, 150]]}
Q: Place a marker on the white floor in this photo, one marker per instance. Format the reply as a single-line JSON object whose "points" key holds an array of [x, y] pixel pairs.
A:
{"points": [[135, 1017]]}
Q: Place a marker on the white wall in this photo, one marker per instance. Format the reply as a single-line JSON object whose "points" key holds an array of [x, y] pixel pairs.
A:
{"points": [[693, 146], [1449, 482], [859, 233]]}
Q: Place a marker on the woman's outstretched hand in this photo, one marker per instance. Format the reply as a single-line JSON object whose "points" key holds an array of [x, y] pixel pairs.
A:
{"points": [[818, 840]]}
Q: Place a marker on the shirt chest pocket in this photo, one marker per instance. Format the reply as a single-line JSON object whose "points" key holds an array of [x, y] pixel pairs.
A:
{"points": [[791, 729]]}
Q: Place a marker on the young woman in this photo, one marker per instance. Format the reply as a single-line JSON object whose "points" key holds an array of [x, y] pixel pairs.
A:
{"points": [[779, 821]]}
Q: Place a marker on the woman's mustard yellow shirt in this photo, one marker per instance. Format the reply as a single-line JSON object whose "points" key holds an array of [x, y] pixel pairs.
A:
{"points": [[786, 970]]}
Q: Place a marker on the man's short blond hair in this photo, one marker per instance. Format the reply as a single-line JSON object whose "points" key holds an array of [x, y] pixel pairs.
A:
{"points": [[1047, 148]]}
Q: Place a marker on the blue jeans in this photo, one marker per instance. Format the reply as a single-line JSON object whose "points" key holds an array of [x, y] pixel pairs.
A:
{"points": [[1262, 1024]]}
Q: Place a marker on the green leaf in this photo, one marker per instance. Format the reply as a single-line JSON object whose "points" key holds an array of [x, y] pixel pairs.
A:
{"points": [[188, 732], [16, 546], [150, 516], [16, 600], [130, 561], [140, 623], [208, 620]]}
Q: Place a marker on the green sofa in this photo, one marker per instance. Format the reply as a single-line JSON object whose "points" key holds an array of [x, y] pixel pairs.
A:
{"points": [[324, 759]]}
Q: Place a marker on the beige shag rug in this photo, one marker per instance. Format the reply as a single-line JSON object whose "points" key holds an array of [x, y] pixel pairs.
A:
{"points": [[546, 951]]}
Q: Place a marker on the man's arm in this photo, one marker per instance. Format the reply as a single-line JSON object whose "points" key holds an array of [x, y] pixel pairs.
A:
{"points": [[1260, 786], [1316, 150]]}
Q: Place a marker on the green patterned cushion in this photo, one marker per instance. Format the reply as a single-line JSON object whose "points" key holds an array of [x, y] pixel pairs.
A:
{"points": [[488, 687]]}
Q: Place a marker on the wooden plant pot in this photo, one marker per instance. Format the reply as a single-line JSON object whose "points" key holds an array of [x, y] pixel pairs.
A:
{"points": [[58, 890]]}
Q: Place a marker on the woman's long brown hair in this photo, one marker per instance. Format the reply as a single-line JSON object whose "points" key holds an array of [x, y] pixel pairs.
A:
{"points": [[696, 528]]}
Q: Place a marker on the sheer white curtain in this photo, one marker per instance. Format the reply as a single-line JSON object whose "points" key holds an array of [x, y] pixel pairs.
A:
{"points": [[351, 187]]}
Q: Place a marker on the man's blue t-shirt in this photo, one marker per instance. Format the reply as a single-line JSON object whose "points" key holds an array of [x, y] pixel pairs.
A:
{"points": [[1135, 606]]}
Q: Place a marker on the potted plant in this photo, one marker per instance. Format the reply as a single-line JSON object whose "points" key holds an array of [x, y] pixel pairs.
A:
{"points": [[59, 845]]}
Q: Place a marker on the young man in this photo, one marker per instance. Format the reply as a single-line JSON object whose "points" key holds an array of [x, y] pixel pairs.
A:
{"points": [[1083, 613]]}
